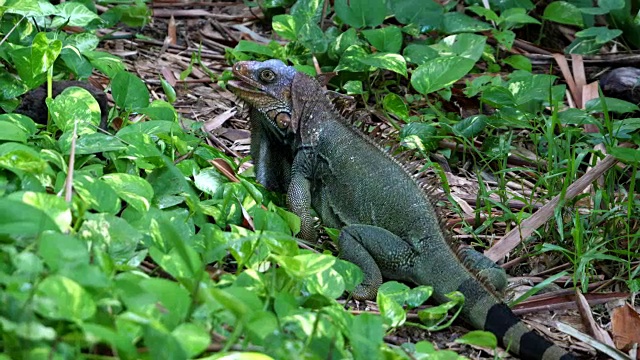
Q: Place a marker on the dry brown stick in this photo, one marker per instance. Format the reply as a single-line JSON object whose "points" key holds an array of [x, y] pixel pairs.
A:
{"points": [[540, 217]]}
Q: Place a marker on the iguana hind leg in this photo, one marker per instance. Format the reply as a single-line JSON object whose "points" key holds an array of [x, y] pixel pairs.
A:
{"points": [[376, 251]]}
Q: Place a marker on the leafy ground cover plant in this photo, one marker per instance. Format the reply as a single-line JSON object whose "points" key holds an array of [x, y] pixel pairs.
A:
{"points": [[134, 244]]}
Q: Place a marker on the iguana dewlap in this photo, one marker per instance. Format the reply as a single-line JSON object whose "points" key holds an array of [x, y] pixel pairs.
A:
{"points": [[388, 225]]}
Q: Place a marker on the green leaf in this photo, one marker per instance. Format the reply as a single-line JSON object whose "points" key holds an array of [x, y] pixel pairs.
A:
{"points": [[504, 37], [253, 47], [387, 39], [33, 62], [479, 338], [62, 251], [55, 206], [305, 265], [210, 181], [423, 13], [602, 35], [612, 104], [392, 311], [366, 334], [160, 110], [455, 22], [626, 155], [193, 338], [471, 126], [75, 105], [419, 135], [12, 132], [517, 16], [129, 92], [328, 283], [312, 37], [519, 62], [133, 189], [73, 14], [418, 295], [393, 62], [418, 54], [285, 26], [438, 73], [353, 87], [361, 13], [564, 13], [394, 104], [484, 12], [22, 220], [343, 42], [60, 298], [609, 5], [94, 143], [350, 60]]}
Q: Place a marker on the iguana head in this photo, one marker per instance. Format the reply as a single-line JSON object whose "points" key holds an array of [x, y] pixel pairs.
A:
{"points": [[266, 86]]}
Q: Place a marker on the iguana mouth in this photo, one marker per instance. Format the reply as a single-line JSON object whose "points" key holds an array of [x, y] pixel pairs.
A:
{"points": [[243, 86], [244, 82]]}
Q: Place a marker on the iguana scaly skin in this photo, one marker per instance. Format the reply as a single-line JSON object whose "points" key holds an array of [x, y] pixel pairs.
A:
{"points": [[388, 225]]}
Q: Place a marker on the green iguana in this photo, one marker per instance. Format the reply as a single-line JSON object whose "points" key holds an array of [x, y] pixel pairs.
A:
{"points": [[389, 227]]}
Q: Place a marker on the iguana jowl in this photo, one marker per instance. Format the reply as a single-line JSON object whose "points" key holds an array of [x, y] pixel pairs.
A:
{"points": [[388, 225]]}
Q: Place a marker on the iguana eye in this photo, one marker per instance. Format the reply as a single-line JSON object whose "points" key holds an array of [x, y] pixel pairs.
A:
{"points": [[267, 75], [283, 120]]}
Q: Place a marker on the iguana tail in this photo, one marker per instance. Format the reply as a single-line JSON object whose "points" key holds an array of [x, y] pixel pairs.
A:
{"points": [[484, 311]]}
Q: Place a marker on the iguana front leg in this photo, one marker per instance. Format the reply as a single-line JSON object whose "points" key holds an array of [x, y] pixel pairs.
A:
{"points": [[376, 251], [299, 195]]}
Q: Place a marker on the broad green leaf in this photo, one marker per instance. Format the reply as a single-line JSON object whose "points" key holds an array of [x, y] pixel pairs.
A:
{"points": [[471, 126], [193, 338], [305, 265], [393, 62], [73, 14], [343, 42], [107, 63], [55, 206], [11, 86], [626, 155], [174, 262], [129, 92], [248, 355], [353, 87], [312, 37], [28, 330], [391, 310], [361, 13], [133, 189], [33, 62], [365, 336], [517, 16], [438, 73], [611, 104], [418, 295], [113, 234], [18, 219], [328, 283], [161, 343], [75, 105], [253, 47], [160, 111], [285, 26], [93, 143], [519, 62], [486, 13], [120, 341], [12, 132], [307, 11], [60, 298], [479, 338], [419, 135], [96, 194], [60, 251], [455, 22], [418, 54], [210, 181], [602, 35], [564, 13], [504, 37], [350, 59], [423, 13], [395, 104], [19, 157], [611, 4], [387, 39], [470, 46]]}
